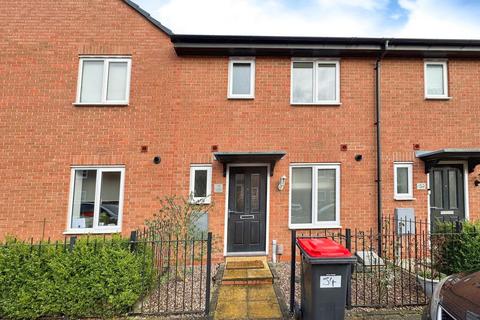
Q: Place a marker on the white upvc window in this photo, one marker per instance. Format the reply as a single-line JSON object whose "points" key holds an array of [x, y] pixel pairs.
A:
{"points": [[315, 81], [403, 180], [103, 81], [200, 183], [96, 199], [314, 196], [436, 80], [241, 78]]}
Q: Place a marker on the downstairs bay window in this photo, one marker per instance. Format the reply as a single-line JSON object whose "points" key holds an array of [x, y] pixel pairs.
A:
{"points": [[314, 196], [96, 200]]}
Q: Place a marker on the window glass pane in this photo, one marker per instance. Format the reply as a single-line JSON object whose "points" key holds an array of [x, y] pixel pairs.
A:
{"points": [[92, 81], [437, 189], [402, 180], [255, 192], [326, 82], [302, 82], [240, 192], [241, 73], [200, 188], [117, 81], [452, 189], [83, 198], [198, 223], [301, 205], [435, 79], [326, 195], [109, 199]]}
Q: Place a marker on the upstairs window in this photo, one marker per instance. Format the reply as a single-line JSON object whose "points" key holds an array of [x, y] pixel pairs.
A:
{"points": [[315, 82], [241, 79], [103, 80], [403, 181], [436, 81], [200, 183]]}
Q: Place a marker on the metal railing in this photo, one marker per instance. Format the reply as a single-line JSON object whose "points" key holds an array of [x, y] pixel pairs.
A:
{"points": [[401, 274], [179, 273]]}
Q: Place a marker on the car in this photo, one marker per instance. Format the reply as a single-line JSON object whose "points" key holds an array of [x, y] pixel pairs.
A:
{"points": [[456, 297], [108, 213]]}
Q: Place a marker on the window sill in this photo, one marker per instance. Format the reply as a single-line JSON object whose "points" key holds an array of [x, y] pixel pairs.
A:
{"points": [[438, 98], [314, 227], [92, 231], [241, 98], [106, 104], [324, 104], [404, 199]]}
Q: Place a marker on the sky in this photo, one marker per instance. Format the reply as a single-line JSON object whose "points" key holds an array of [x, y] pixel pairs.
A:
{"points": [[447, 19]]}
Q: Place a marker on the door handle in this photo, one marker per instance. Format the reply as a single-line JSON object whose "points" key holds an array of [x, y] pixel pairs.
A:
{"points": [[233, 211]]}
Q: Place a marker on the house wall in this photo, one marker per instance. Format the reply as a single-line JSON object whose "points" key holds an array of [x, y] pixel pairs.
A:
{"points": [[179, 109], [43, 133], [408, 119]]}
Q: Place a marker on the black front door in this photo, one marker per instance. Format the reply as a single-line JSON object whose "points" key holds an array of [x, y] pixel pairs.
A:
{"points": [[447, 199], [247, 207]]}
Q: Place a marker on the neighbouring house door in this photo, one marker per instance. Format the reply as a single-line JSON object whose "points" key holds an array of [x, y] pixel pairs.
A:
{"points": [[447, 198], [247, 207]]}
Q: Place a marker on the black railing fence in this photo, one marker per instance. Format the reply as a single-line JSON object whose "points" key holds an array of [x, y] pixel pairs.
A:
{"points": [[175, 271], [401, 273], [178, 270]]}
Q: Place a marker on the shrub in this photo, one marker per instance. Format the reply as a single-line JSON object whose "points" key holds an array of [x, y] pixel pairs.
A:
{"points": [[95, 279], [178, 216], [458, 252]]}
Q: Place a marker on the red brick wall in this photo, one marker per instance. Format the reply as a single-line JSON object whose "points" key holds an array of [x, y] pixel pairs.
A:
{"points": [[409, 119], [179, 109]]}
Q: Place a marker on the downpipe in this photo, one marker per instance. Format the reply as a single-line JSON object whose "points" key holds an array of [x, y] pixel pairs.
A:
{"points": [[379, 145]]}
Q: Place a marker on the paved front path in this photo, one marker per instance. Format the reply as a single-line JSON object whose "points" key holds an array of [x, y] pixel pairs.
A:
{"points": [[256, 301], [247, 294]]}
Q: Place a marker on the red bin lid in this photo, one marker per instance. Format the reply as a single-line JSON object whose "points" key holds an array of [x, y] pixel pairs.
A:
{"points": [[323, 248]]}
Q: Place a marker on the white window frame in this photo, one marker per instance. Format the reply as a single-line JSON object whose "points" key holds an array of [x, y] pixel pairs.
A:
{"points": [[208, 198], [96, 228], [444, 65], [316, 224], [316, 63], [230, 93], [106, 61], [409, 194]]}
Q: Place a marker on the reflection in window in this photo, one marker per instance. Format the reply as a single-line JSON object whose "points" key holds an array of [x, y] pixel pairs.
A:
{"points": [[109, 199], [255, 192], [452, 189], [240, 192], [200, 188], [84, 199], [326, 185], [438, 189], [301, 205], [96, 198]]}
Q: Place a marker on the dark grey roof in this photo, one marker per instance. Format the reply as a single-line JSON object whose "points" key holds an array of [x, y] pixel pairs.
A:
{"points": [[322, 46], [147, 16], [432, 158], [270, 157]]}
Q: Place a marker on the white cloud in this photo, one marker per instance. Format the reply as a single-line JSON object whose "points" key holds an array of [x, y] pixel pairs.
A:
{"points": [[356, 18], [437, 19], [363, 4], [251, 17]]}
